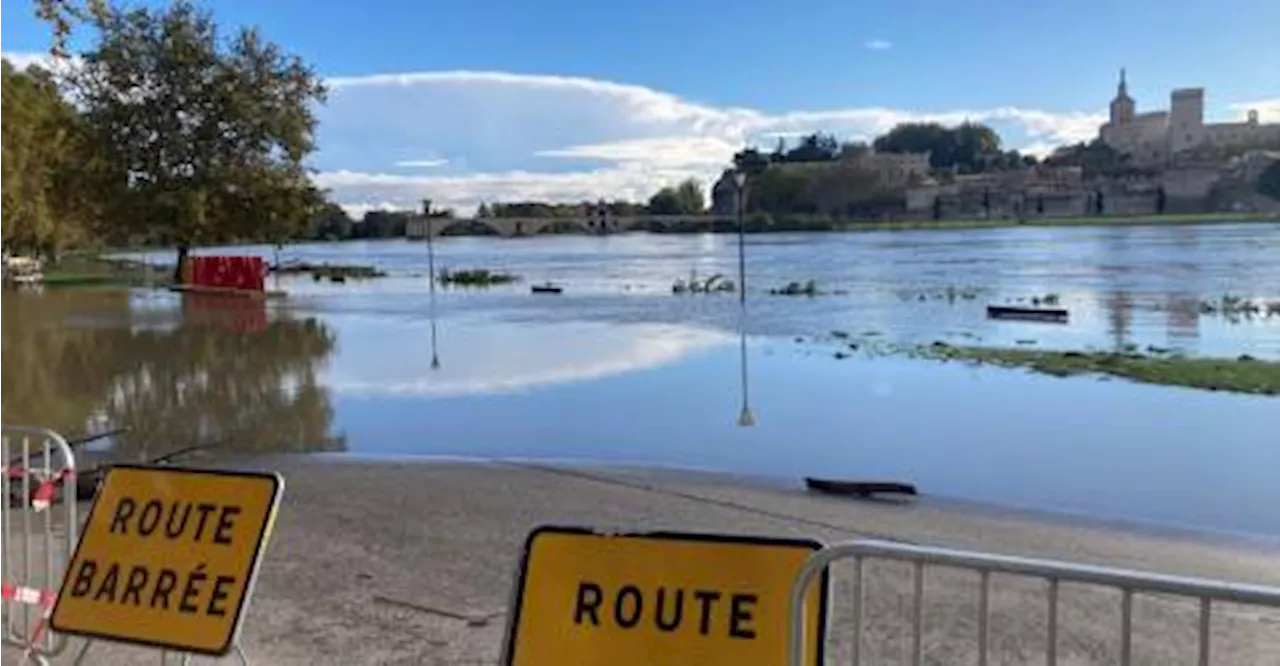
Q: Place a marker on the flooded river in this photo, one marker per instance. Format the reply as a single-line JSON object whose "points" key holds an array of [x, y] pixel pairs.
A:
{"points": [[619, 370]]}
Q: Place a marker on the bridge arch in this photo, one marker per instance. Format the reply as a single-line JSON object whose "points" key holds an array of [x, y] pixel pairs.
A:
{"points": [[475, 225], [557, 225]]}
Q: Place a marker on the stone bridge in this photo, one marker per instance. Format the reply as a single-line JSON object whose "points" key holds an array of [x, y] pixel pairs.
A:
{"points": [[418, 227]]}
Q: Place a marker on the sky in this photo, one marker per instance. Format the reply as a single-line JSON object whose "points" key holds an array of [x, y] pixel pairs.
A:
{"points": [[568, 100]]}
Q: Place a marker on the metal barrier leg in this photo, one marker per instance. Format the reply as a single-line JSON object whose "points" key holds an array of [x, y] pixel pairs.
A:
{"points": [[184, 658], [84, 649]]}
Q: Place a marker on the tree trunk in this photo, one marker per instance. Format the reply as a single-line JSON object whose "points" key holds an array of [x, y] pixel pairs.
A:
{"points": [[183, 252]]}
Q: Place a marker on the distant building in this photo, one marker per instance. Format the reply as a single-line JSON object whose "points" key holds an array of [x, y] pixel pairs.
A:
{"points": [[724, 196], [892, 169], [1157, 137]]}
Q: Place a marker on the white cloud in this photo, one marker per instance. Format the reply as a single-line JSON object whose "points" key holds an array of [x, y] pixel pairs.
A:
{"points": [[878, 44], [25, 59], [512, 136], [1268, 109], [422, 164], [526, 136]]}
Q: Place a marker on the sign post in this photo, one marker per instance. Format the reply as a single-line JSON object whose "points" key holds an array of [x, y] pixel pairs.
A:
{"points": [[168, 558], [674, 599]]}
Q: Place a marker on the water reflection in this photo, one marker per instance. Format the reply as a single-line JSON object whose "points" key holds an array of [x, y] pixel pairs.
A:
{"points": [[205, 372], [487, 356], [746, 418], [1182, 319]]}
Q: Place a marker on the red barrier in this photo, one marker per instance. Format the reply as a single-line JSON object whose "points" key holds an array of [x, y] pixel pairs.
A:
{"points": [[241, 273]]}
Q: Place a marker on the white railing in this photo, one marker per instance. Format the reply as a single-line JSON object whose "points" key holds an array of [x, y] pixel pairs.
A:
{"points": [[1129, 582]]}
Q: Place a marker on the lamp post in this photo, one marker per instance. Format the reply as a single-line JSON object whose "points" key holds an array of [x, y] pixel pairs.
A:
{"points": [[745, 418], [431, 281], [740, 179]]}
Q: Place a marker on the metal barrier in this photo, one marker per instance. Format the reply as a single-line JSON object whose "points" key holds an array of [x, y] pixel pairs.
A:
{"points": [[1129, 582], [36, 547]]}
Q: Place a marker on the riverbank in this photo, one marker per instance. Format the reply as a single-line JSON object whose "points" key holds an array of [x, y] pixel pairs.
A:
{"points": [[1074, 221], [1238, 375], [411, 563]]}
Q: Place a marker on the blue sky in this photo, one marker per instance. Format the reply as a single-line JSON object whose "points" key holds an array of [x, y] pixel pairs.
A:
{"points": [[560, 99]]}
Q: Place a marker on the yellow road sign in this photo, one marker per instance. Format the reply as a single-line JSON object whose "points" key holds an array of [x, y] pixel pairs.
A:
{"points": [[659, 598], [168, 557]]}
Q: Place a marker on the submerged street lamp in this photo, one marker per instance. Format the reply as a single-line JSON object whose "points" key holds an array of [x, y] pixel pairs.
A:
{"points": [[740, 179], [745, 418], [431, 281]]}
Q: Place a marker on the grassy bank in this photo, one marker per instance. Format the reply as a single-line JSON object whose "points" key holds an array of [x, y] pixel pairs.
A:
{"points": [[1241, 375], [93, 271]]}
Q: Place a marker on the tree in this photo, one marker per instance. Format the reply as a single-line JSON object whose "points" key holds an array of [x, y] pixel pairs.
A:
{"points": [[1269, 181], [816, 147], [62, 15], [1095, 158], [683, 199], [969, 147], [54, 177], [331, 223], [750, 162], [664, 202], [692, 200], [213, 134]]}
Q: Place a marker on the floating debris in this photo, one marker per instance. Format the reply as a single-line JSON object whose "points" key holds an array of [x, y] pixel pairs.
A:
{"points": [[809, 288]]}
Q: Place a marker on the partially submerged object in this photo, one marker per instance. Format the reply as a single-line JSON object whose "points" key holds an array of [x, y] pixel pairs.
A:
{"points": [[859, 488], [547, 288], [22, 270], [1058, 315]]}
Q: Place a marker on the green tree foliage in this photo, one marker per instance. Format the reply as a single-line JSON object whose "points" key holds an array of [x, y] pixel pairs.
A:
{"points": [[816, 147], [53, 173], [212, 132], [750, 161], [1096, 158], [62, 17], [330, 222], [968, 147], [1269, 181], [686, 198]]}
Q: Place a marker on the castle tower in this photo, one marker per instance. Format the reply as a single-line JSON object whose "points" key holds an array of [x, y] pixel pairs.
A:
{"points": [[1186, 118], [1122, 106]]}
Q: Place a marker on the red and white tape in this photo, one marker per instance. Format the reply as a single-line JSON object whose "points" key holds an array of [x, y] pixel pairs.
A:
{"points": [[43, 496], [26, 595], [33, 596], [45, 491]]}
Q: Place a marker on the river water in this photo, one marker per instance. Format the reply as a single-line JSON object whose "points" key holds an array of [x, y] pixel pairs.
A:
{"points": [[619, 370]]}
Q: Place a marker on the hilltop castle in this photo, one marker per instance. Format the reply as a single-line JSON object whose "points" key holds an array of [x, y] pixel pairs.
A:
{"points": [[1156, 137]]}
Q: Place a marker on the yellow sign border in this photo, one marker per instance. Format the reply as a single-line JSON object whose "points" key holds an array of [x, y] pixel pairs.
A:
{"points": [[517, 591], [277, 491]]}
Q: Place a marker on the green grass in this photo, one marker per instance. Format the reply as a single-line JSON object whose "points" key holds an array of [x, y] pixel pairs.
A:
{"points": [[1242, 375], [59, 279], [332, 271], [475, 277], [90, 271]]}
